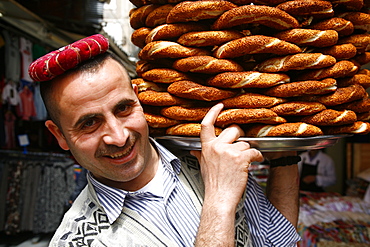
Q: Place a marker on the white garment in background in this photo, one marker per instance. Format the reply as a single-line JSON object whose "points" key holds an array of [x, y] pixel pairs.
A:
{"points": [[25, 49], [10, 94], [367, 195], [365, 175], [326, 168]]}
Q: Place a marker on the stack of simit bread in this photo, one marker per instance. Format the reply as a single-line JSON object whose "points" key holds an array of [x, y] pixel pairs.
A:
{"points": [[281, 68]]}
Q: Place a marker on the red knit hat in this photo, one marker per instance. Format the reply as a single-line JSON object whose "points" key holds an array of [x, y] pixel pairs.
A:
{"points": [[57, 62]]}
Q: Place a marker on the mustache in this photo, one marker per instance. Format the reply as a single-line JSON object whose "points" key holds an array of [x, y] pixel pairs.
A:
{"points": [[113, 149]]}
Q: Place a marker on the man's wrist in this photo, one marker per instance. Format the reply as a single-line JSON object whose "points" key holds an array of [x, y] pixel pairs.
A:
{"points": [[284, 161]]}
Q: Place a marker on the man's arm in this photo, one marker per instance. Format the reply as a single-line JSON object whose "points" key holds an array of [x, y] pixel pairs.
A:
{"points": [[283, 188], [224, 167]]}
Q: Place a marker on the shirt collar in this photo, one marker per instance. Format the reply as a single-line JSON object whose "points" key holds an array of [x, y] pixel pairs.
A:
{"points": [[112, 199]]}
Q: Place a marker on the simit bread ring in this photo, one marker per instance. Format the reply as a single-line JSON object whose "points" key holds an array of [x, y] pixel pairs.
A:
{"points": [[342, 26], [314, 8], [298, 61], [285, 129], [157, 131], [260, 2], [188, 129], [264, 15], [255, 44], [363, 116], [246, 116], [206, 64], [192, 90], [167, 49], [330, 117], [157, 121], [147, 85], [364, 72], [343, 95], [361, 41], [349, 4], [138, 36], [340, 69], [252, 100], [301, 88], [247, 79], [173, 31], [155, 98], [309, 37], [198, 10], [361, 79], [144, 65], [358, 106], [138, 15], [193, 114], [357, 127], [139, 3], [158, 16], [165, 75], [208, 38], [360, 20], [362, 58], [298, 108], [339, 52]]}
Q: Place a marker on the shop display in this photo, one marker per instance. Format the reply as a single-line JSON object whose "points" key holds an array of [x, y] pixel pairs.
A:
{"points": [[329, 219], [294, 66]]}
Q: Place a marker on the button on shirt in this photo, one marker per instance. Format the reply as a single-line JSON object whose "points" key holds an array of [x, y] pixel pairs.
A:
{"points": [[163, 201]]}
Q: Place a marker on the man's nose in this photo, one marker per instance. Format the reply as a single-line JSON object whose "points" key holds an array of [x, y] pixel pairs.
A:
{"points": [[115, 133]]}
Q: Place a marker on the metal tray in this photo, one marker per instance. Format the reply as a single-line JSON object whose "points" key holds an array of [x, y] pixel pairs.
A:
{"points": [[266, 144]]}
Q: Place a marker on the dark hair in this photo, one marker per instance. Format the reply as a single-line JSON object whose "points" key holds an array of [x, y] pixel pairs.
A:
{"points": [[91, 65]]}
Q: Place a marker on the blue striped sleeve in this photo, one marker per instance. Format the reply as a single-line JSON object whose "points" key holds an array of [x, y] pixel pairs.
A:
{"points": [[268, 227]]}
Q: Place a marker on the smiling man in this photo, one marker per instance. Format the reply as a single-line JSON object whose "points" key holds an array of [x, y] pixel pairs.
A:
{"points": [[138, 192]]}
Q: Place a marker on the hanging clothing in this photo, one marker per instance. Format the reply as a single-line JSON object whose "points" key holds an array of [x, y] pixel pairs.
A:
{"points": [[321, 166], [10, 94], [27, 109], [10, 139], [12, 56], [25, 49], [41, 112]]}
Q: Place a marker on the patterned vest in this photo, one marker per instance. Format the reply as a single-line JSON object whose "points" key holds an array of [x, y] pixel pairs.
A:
{"points": [[86, 224]]}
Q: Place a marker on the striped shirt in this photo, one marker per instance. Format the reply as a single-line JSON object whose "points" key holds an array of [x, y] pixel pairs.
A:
{"points": [[165, 203]]}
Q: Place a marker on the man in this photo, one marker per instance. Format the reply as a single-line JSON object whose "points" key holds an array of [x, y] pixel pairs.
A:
{"points": [[317, 171], [139, 193]]}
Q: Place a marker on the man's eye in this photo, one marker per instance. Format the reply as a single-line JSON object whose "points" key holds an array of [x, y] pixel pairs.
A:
{"points": [[123, 109], [89, 123]]}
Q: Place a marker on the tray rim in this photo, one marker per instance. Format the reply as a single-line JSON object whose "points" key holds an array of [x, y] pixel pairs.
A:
{"points": [[279, 138], [304, 143]]}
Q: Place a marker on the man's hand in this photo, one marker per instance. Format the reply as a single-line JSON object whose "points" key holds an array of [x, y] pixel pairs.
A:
{"points": [[309, 179], [224, 163]]}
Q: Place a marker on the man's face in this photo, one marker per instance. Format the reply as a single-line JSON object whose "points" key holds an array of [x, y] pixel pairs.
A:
{"points": [[103, 124]]}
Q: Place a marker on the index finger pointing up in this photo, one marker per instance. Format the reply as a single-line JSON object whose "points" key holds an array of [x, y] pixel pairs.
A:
{"points": [[207, 132]]}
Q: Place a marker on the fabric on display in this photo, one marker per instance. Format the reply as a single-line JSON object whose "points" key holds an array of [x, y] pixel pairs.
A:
{"points": [[25, 49], [28, 109], [12, 56], [34, 190]]}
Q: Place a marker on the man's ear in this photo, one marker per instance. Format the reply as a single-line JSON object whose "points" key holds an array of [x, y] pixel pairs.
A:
{"points": [[136, 88], [53, 128]]}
